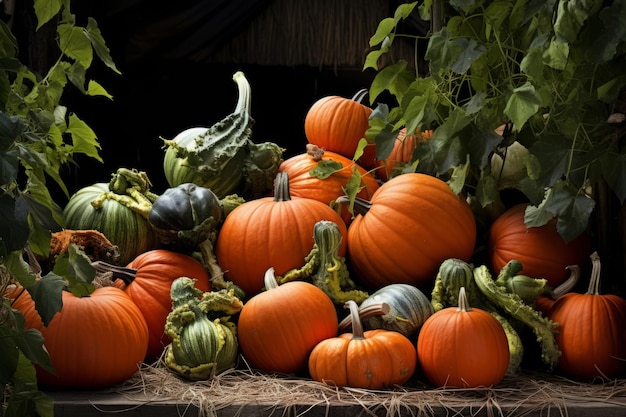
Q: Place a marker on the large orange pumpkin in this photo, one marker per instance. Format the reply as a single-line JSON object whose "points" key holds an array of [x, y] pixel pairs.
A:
{"points": [[541, 250], [94, 342], [463, 347], [278, 328], [147, 279], [402, 152], [269, 232], [326, 190], [592, 330], [414, 223], [337, 124]]}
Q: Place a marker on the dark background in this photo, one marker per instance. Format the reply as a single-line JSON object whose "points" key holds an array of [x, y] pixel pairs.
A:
{"points": [[177, 59]]}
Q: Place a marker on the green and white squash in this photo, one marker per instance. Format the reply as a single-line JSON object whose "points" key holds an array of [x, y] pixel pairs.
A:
{"points": [[409, 307], [118, 217]]}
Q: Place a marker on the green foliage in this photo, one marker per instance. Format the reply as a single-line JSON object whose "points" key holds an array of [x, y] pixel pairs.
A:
{"points": [[550, 70], [38, 136]]}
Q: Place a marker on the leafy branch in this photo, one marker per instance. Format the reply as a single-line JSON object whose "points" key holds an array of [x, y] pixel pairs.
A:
{"points": [[550, 71], [38, 136]]}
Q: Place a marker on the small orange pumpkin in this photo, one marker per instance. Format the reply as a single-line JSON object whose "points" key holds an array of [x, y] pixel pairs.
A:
{"points": [[326, 190], [463, 347], [270, 232], [337, 124], [591, 332], [278, 328], [541, 250], [374, 359]]}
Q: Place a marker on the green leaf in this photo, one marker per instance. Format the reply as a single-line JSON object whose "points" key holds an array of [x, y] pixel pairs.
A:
{"points": [[395, 78], [552, 153], [606, 42], [75, 267], [9, 166], [522, 104], [360, 148], [459, 176], [22, 272], [470, 51], [533, 65], [609, 91], [325, 168], [14, 229], [495, 15], [385, 27], [556, 54], [385, 141], [99, 45], [45, 10], [443, 50], [46, 293], [84, 139], [571, 16], [487, 189], [75, 44]]}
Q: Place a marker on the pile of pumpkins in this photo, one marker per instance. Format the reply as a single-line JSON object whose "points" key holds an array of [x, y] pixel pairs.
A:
{"points": [[404, 226]]}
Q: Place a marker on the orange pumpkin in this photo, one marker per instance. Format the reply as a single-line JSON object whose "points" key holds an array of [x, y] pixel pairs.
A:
{"points": [[463, 347], [374, 359], [94, 342], [541, 250], [402, 152], [337, 124], [591, 332], [147, 279], [269, 232], [413, 223], [278, 328], [326, 190]]}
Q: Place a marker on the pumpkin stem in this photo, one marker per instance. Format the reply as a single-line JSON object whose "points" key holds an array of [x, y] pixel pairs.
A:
{"points": [[126, 274], [374, 309], [569, 283], [594, 283], [360, 95], [356, 314], [270, 279], [463, 303], [281, 187]]}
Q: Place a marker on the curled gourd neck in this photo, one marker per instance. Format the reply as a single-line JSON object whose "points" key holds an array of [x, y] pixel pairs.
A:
{"points": [[281, 187], [127, 275]]}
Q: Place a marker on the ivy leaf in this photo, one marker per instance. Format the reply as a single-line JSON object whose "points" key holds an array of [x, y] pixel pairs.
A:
{"points": [[395, 78], [46, 293], [84, 139], [481, 145], [97, 42], [606, 41], [325, 168], [9, 166], [459, 176], [46, 10], [571, 16], [556, 54], [522, 104], [443, 50], [487, 189], [470, 51], [385, 141], [75, 44], [75, 267], [384, 29], [552, 152], [14, 229]]}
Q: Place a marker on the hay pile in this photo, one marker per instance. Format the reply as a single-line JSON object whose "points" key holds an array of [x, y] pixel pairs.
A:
{"points": [[521, 395]]}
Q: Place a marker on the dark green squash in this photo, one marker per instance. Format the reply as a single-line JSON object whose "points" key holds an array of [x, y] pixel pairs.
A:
{"points": [[184, 207]]}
